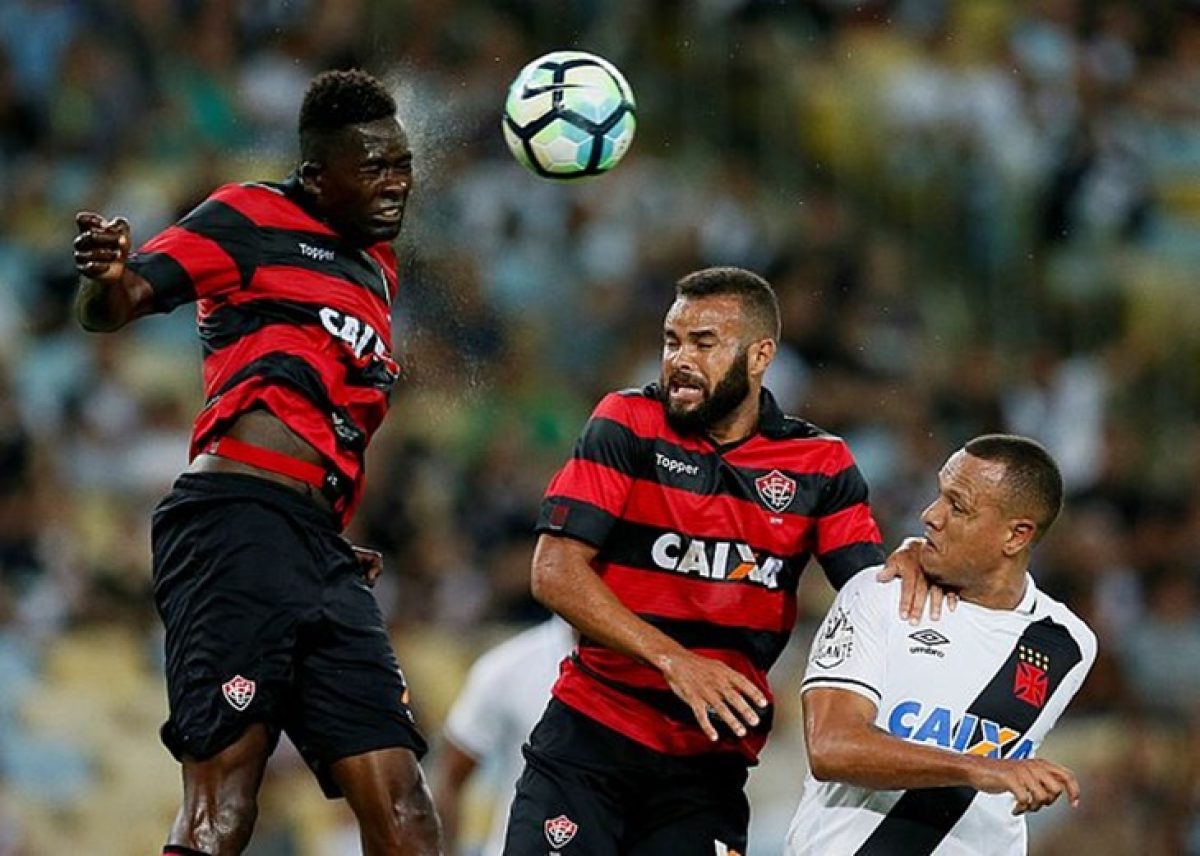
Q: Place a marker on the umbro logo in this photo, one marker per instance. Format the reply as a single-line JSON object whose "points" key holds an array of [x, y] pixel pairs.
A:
{"points": [[319, 254], [930, 641]]}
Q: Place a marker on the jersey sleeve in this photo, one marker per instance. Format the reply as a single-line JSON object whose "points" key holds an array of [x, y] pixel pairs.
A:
{"points": [[848, 650], [211, 252], [586, 496], [848, 538]]}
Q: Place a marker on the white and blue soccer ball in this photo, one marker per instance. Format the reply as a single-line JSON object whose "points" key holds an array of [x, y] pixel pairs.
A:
{"points": [[569, 114]]}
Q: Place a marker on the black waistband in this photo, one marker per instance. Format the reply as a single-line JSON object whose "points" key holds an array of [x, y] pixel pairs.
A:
{"points": [[227, 487]]}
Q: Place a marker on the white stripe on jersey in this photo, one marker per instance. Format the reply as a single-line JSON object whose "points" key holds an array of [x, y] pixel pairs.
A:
{"points": [[925, 682]]}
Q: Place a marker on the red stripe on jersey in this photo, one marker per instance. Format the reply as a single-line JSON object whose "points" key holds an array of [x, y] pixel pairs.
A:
{"points": [[644, 724], [592, 483], [211, 269], [826, 456], [307, 286], [853, 525], [262, 205], [717, 517], [625, 670], [222, 365], [386, 256], [644, 417], [669, 594]]}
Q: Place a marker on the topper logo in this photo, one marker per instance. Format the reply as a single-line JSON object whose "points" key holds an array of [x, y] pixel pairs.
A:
{"points": [[319, 254], [672, 465]]}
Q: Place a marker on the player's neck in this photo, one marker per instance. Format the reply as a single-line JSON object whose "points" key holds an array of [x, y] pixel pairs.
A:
{"points": [[1001, 591], [739, 425]]}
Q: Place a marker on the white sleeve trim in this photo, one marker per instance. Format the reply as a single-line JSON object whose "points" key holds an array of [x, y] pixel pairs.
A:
{"points": [[850, 684]]}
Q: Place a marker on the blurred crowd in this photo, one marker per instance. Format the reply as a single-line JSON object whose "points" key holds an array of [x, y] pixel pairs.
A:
{"points": [[979, 215]]}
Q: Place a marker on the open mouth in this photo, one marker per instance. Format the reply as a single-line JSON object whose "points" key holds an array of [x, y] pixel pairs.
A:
{"points": [[685, 391], [388, 214]]}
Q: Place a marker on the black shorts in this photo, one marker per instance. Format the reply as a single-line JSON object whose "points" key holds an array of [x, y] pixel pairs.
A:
{"points": [[268, 620], [605, 795]]}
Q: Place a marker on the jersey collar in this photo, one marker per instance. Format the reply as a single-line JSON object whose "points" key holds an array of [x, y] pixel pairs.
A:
{"points": [[1028, 600], [772, 422]]}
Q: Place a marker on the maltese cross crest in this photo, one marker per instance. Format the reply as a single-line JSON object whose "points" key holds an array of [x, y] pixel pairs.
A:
{"points": [[775, 490], [239, 692], [560, 830]]}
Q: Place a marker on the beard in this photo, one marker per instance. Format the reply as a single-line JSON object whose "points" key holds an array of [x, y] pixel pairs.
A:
{"points": [[729, 393]]}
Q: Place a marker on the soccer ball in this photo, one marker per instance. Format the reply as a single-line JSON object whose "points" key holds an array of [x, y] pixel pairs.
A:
{"points": [[569, 114]]}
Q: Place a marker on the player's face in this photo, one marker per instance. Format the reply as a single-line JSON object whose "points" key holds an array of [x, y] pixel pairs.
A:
{"points": [[362, 186], [706, 363], [966, 527]]}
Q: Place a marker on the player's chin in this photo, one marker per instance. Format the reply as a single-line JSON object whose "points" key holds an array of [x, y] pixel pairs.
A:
{"points": [[932, 565], [682, 409], [383, 230]]}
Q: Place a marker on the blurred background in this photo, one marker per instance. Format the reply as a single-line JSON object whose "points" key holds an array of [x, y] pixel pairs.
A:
{"points": [[979, 215]]}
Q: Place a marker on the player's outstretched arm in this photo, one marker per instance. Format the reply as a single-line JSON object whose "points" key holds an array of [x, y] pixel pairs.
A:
{"points": [[563, 581], [845, 745], [915, 588], [110, 295]]}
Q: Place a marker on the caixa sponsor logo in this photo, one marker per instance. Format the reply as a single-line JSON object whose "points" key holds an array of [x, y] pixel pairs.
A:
{"points": [[971, 735], [715, 560], [358, 335]]}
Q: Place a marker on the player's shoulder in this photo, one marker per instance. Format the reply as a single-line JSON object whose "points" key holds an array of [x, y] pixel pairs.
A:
{"points": [[795, 428], [245, 190], [238, 204], [865, 586], [635, 406], [811, 441], [1076, 627]]}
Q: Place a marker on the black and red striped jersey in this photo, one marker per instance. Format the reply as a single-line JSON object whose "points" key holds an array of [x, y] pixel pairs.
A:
{"points": [[705, 542], [292, 319]]}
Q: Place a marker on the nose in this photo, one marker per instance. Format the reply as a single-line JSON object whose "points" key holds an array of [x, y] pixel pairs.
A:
{"points": [[397, 181], [932, 515]]}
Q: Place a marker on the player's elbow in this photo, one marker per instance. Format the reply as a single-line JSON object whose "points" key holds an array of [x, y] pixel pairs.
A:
{"points": [[544, 582], [827, 757]]}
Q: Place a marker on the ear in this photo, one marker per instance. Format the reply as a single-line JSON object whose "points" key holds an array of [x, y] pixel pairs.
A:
{"points": [[1021, 533], [310, 177], [760, 356]]}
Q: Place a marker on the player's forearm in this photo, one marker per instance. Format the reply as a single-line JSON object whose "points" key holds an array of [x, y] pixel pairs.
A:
{"points": [[574, 591], [104, 306], [869, 757]]}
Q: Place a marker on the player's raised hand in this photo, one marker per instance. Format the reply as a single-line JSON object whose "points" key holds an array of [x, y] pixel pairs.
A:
{"points": [[1033, 782], [714, 691], [915, 588], [101, 247]]}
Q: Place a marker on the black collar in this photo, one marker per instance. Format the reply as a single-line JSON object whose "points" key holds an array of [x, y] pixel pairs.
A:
{"points": [[294, 190], [772, 422]]}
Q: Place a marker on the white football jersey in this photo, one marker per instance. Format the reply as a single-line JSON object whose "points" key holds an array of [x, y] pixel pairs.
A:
{"points": [[980, 681], [505, 693]]}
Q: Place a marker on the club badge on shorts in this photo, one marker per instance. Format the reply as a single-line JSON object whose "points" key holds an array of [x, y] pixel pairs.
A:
{"points": [[560, 830], [239, 692]]}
